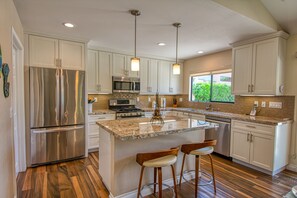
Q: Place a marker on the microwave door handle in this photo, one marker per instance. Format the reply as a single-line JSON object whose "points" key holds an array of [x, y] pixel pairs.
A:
{"points": [[134, 83], [132, 86]]}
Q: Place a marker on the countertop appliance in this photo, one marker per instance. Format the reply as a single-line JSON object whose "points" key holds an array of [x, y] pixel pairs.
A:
{"points": [[57, 115], [222, 134], [125, 84], [125, 108]]}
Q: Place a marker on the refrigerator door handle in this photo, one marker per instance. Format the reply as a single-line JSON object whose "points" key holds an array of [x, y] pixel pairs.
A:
{"points": [[57, 129], [57, 109], [62, 113]]}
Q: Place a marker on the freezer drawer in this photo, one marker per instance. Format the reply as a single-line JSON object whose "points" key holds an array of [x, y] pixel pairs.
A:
{"points": [[55, 144]]}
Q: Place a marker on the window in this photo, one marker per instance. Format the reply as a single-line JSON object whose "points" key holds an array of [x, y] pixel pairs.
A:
{"points": [[212, 87]]}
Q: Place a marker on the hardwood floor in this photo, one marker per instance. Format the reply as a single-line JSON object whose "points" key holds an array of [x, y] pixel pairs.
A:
{"points": [[80, 178]]}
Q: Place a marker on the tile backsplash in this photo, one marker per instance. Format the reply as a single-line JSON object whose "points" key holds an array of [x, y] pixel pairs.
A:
{"points": [[242, 104]]}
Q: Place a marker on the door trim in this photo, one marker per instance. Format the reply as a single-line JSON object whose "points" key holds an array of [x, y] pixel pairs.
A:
{"points": [[17, 44]]}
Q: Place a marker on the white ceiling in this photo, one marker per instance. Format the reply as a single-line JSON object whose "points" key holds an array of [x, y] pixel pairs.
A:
{"points": [[107, 24], [284, 12]]}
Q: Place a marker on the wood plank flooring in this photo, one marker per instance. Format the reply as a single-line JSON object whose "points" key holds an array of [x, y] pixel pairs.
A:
{"points": [[80, 178]]}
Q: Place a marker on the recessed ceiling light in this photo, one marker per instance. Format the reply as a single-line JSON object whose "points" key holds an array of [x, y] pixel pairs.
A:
{"points": [[161, 44], [69, 25], [200, 52]]}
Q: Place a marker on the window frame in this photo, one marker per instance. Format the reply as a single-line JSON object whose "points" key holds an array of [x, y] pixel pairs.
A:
{"points": [[211, 84]]}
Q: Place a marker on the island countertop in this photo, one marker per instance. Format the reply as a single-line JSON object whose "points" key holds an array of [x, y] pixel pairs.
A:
{"points": [[138, 128]]}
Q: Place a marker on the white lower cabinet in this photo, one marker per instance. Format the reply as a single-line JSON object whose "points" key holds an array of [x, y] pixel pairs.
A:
{"points": [[260, 145], [93, 129]]}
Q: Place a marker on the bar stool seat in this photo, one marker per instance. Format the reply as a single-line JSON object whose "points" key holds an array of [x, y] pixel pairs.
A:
{"points": [[161, 162], [203, 151], [157, 160], [199, 149]]}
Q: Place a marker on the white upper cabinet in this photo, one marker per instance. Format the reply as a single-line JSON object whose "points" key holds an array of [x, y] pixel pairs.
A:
{"points": [[92, 71], [148, 76], [105, 72], [43, 52], [153, 76], [119, 65], [164, 77], [52, 53], [99, 72], [258, 65], [72, 55]]}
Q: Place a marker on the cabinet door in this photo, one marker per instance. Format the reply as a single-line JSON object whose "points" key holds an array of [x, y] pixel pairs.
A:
{"points": [[43, 52], [134, 74], [164, 77], [92, 71], [176, 81], [105, 72], [261, 151], [144, 74], [240, 145], [72, 55], [119, 65], [265, 64], [153, 76], [242, 69]]}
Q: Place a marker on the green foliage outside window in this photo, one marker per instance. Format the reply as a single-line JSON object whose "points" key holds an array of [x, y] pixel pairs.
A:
{"points": [[220, 92]]}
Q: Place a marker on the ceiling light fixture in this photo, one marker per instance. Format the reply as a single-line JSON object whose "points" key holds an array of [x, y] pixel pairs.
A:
{"points": [[200, 52], [135, 62], [176, 66], [69, 25], [161, 44]]}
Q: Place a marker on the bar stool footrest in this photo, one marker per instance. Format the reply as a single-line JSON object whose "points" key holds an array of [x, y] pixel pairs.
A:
{"points": [[203, 183], [150, 184]]}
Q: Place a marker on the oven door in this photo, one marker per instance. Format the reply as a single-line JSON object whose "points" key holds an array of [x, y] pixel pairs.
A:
{"points": [[122, 86]]}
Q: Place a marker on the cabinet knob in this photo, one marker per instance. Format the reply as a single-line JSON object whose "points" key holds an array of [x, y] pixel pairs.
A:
{"points": [[249, 88], [252, 88], [248, 137]]}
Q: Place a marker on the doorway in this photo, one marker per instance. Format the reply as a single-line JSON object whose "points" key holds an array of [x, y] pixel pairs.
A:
{"points": [[18, 104]]}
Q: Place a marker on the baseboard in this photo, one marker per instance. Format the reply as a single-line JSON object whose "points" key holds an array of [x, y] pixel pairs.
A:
{"points": [[292, 167], [148, 191]]}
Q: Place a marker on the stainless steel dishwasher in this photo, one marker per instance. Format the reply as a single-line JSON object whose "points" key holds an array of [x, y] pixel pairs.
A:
{"points": [[222, 134]]}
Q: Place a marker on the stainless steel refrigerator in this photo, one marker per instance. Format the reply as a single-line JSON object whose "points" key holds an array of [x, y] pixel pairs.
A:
{"points": [[57, 115]]}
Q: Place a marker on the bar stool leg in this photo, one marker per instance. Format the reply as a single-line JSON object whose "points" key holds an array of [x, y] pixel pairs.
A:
{"points": [[213, 175], [196, 174], [182, 169], [155, 179], [160, 181], [140, 180], [174, 180]]}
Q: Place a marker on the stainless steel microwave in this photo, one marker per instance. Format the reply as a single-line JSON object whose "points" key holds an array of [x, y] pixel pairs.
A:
{"points": [[125, 84]]}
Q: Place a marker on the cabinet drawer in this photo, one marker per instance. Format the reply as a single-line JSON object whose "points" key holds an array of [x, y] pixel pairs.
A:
{"points": [[254, 127], [95, 118], [93, 129], [93, 141]]}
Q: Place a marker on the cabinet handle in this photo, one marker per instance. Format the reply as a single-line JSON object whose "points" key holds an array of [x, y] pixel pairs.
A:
{"points": [[252, 88], [249, 88], [248, 137], [251, 139], [250, 126], [58, 62]]}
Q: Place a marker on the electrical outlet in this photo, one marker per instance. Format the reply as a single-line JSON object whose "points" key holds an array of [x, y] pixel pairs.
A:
{"points": [[276, 105], [149, 99], [263, 104], [95, 99], [256, 103], [180, 99], [137, 99]]}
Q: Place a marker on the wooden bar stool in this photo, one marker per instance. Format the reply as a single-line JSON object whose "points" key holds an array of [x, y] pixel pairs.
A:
{"points": [[157, 160], [198, 149]]}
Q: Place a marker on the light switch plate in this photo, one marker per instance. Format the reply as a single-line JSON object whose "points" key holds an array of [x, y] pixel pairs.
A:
{"points": [[263, 104], [256, 103], [149, 99], [180, 99], [276, 105], [95, 99], [137, 99]]}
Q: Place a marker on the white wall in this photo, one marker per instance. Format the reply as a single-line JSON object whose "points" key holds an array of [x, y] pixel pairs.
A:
{"points": [[291, 87], [8, 18], [217, 61]]}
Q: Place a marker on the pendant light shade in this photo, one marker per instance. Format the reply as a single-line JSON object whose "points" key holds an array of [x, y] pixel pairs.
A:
{"points": [[135, 62], [176, 66]]}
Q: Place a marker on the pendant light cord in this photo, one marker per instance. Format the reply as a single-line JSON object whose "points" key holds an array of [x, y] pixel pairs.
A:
{"points": [[176, 43], [135, 38]]}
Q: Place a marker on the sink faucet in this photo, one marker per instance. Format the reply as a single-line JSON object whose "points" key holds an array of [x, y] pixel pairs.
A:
{"points": [[208, 107]]}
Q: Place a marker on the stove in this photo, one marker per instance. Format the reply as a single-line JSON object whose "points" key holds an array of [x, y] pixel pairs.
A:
{"points": [[125, 108]]}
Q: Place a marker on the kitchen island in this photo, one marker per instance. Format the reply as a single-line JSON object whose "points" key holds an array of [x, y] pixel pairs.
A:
{"points": [[121, 140]]}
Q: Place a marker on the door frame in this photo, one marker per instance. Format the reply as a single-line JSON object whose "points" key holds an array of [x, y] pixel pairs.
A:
{"points": [[20, 100]]}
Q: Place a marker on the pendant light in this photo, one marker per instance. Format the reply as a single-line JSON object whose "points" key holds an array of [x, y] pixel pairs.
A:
{"points": [[176, 66], [135, 62]]}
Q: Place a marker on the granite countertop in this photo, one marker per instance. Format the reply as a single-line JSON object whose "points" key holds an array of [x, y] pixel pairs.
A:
{"points": [[139, 128], [102, 111], [234, 116]]}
